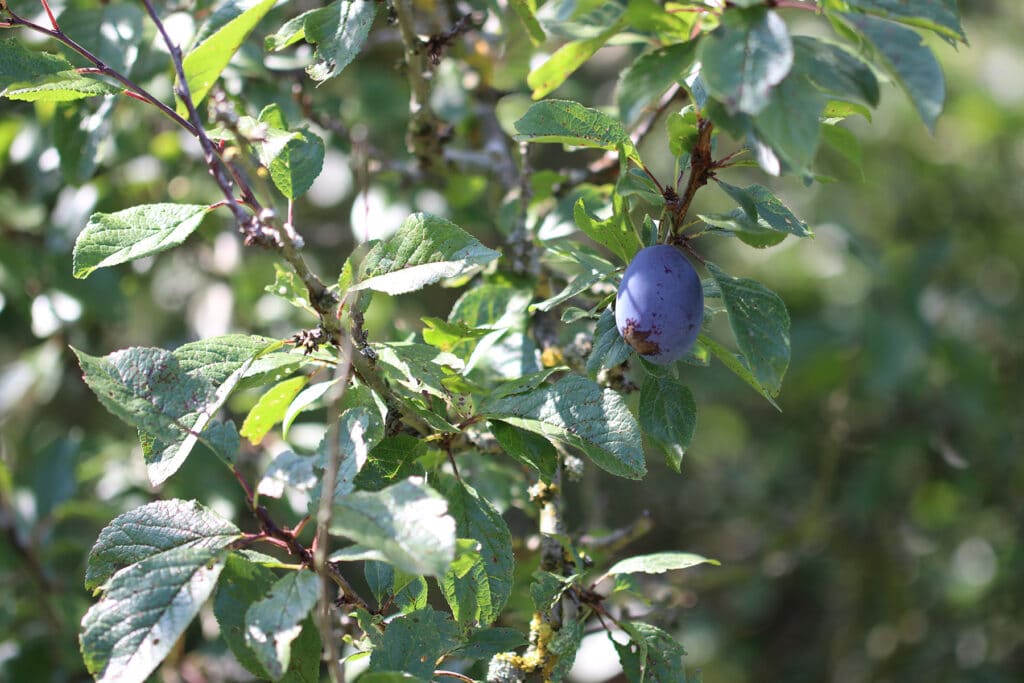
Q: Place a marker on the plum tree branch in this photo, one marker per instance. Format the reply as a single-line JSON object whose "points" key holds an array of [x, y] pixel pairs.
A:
{"points": [[424, 136], [702, 167], [325, 509], [133, 89]]}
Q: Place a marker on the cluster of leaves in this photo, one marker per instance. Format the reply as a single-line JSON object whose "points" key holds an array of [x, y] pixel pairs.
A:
{"points": [[484, 381]]}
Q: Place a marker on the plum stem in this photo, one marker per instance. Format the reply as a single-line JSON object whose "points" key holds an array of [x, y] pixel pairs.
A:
{"points": [[702, 169]]}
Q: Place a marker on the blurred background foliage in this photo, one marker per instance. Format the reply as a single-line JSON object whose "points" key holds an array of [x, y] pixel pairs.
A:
{"points": [[869, 532]]}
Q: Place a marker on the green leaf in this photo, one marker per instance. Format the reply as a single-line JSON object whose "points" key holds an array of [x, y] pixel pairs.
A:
{"points": [[146, 388], [908, 60], [294, 160], [570, 123], [578, 412], [564, 646], [114, 31], [610, 349], [790, 121], [668, 416], [657, 563], [650, 75], [480, 594], [152, 529], [110, 239], [447, 336], [204, 64], [835, 71], [78, 132], [390, 677], [305, 400], [739, 366], [651, 656], [392, 459], [576, 19], [486, 642], [546, 589], [846, 143], [241, 584], [339, 32], [683, 131], [566, 60], [526, 11], [289, 469], [407, 522], [941, 16], [19, 64], [745, 57], [65, 86], [765, 209], [144, 610], [417, 367], [359, 430], [756, 233], [270, 409], [290, 287], [271, 624], [528, 448], [425, 249], [172, 408], [613, 232], [491, 306], [664, 21], [413, 643], [217, 358], [760, 322]]}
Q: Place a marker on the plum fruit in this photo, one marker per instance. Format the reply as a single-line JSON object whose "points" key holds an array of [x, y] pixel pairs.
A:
{"points": [[660, 304]]}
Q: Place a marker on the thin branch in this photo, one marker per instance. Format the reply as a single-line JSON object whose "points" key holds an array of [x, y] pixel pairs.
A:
{"points": [[133, 89], [454, 674], [426, 133], [702, 168], [606, 168], [325, 510], [810, 6]]}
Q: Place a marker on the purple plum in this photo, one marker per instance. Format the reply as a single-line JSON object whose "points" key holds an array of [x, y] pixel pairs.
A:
{"points": [[660, 304]]}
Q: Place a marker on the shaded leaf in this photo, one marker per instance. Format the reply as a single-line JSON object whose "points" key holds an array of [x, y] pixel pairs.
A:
{"points": [[19, 64], [531, 449], [241, 584], [650, 75], [407, 522], [651, 656], [908, 60], [414, 642], [271, 624], [668, 416], [609, 349], [941, 16], [745, 57], [488, 583], [144, 610]]}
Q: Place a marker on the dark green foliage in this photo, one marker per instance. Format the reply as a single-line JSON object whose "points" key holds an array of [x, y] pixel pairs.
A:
{"points": [[426, 453]]}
